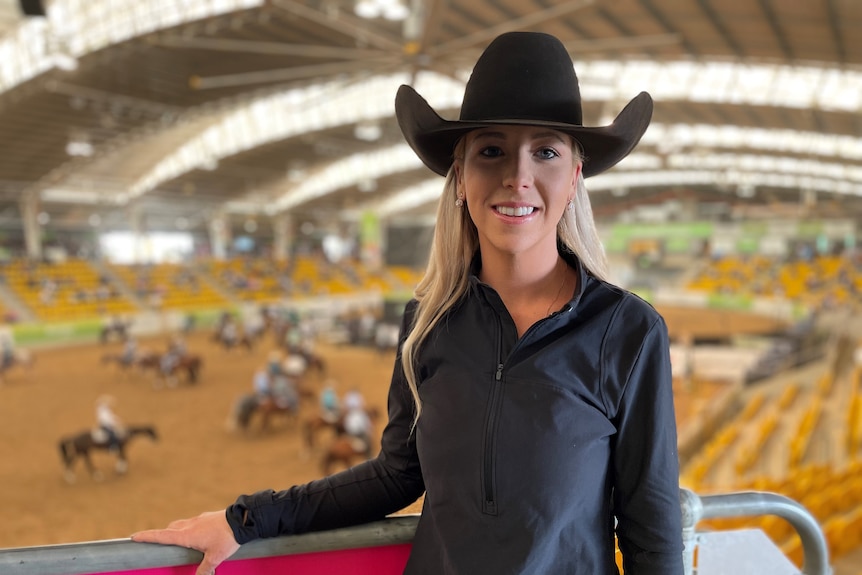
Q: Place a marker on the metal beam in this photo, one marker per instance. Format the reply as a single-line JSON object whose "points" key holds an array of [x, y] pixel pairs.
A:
{"points": [[273, 48], [717, 23], [833, 18], [516, 24], [341, 23], [776, 29], [288, 74]]}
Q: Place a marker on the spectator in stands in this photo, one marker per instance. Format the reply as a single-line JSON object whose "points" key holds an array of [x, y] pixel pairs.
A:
{"points": [[531, 400]]}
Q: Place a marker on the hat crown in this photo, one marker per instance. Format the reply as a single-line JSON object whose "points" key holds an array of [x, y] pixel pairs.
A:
{"points": [[523, 76]]}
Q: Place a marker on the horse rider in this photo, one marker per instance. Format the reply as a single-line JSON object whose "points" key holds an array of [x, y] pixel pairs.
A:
{"points": [[110, 426], [354, 400], [357, 426], [330, 410], [7, 347], [264, 377], [176, 351], [285, 383], [130, 352], [229, 333]]}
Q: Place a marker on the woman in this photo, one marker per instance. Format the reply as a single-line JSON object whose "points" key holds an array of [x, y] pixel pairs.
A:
{"points": [[531, 400]]}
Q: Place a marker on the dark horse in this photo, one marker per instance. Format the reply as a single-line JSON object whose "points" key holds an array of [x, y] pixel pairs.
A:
{"points": [[79, 446], [190, 364], [249, 404]]}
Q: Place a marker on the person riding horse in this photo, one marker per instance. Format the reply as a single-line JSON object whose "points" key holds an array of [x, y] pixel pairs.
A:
{"points": [[176, 351], [110, 429]]}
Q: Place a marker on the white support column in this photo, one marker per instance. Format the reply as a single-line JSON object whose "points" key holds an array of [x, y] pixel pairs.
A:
{"points": [[136, 224], [32, 230], [220, 235], [284, 228]]}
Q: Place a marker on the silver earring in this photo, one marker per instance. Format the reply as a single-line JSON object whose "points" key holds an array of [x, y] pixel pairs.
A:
{"points": [[571, 205], [459, 202]]}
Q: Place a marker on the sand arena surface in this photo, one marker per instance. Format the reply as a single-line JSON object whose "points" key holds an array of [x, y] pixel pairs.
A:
{"points": [[197, 465]]}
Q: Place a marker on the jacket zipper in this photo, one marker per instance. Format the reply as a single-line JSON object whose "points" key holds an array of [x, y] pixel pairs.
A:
{"points": [[489, 502]]}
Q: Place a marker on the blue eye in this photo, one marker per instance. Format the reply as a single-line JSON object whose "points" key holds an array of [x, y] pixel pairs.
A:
{"points": [[548, 153], [491, 152]]}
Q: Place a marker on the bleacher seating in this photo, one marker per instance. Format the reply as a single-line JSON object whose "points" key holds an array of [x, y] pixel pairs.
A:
{"points": [[63, 291], [169, 286]]}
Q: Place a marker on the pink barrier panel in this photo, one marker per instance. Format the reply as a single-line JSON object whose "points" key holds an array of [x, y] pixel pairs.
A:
{"points": [[383, 560]]}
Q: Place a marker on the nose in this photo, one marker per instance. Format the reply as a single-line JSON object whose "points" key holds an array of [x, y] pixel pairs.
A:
{"points": [[518, 174]]}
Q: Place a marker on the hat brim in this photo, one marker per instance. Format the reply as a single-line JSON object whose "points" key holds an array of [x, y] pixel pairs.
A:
{"points": [[433, 138]]}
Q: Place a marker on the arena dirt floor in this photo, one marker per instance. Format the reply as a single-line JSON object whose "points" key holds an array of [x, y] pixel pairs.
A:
{"points": [[198, 463]]}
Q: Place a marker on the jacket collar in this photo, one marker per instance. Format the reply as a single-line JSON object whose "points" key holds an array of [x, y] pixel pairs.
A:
{"points": [[571, 259]]}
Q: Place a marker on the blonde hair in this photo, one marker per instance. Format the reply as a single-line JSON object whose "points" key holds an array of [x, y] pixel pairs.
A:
{"points": [[455, 243]]}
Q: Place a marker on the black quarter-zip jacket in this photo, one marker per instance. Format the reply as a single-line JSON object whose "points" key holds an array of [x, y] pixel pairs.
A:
{"points": [[526, 450]]}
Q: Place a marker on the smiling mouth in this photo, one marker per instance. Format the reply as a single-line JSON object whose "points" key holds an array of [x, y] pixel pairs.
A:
{"points": [[515, 212]]}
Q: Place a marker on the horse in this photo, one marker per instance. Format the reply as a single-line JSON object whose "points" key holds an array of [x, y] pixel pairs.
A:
{"points": [[312, 427], [17, 357], [120, 329], [345, 450], [249, 404], [79, 446], [190, 364], [120, 359]]}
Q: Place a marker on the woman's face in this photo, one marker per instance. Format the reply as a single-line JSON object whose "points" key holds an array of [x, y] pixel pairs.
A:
{"points": [[516, 181]]}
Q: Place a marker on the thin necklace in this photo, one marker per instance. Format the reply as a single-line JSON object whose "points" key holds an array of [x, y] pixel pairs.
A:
{"points": [[559, 291]]}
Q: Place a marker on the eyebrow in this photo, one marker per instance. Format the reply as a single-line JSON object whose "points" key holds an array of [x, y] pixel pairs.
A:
{"points": [[536, 136]]}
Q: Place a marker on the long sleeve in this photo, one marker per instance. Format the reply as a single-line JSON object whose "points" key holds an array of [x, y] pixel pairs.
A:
{"points": [[646, 464], [366, 492]]}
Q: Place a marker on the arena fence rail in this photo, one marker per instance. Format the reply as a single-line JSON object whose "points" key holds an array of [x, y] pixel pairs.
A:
{"points": [[381, 548]]}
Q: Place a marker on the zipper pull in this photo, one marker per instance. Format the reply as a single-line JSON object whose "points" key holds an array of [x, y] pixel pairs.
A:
{"points": [[499, 373]]}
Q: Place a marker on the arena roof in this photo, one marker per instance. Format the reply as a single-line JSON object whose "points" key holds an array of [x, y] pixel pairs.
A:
{"points": [[173, 111]]}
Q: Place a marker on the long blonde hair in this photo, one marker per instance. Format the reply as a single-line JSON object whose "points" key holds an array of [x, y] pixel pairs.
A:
{"points": [[455, 243]]}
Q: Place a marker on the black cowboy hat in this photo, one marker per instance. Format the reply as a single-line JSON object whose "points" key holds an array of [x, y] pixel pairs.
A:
{"points": [[524, 78]]}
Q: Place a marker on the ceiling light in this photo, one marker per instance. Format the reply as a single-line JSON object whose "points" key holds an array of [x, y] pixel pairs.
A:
{"points": [[367, 185], [79, 148], [367, 9], [368, 131], [396, 12], [388, 9]]}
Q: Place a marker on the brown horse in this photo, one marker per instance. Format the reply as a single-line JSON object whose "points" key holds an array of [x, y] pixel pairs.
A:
{"points": [[189, 365], [79, 446], [345, 450], [343, 447], [250, 404], [313, 426]]}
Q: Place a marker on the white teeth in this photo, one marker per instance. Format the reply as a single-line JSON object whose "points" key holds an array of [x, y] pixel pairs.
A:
{"points": [[518, 212]]}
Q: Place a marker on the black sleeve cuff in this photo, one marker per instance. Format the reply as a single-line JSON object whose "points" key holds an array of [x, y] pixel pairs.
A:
{"points": [[241, 523]]}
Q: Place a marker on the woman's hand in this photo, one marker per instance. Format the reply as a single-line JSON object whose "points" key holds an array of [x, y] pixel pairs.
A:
{"points": [[208, 533]]}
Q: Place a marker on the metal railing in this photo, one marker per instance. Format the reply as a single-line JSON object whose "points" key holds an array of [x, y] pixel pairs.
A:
{"points": [[123, 554], [755, 504]]}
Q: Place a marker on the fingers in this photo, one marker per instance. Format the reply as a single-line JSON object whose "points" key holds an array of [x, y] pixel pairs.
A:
{"points": [[207, 566], [208, 533], [164, 536]]}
